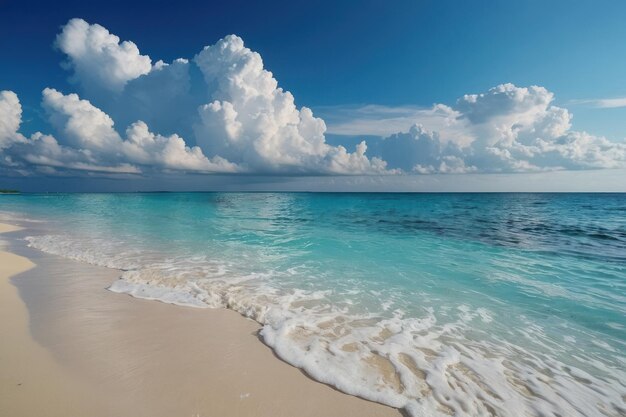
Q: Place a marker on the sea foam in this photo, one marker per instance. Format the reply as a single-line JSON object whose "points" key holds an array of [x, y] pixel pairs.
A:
{"points": [[427, 357]]}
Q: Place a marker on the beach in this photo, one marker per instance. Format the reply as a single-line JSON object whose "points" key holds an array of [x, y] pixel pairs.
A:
{"points": [[287, 209], [296, 304], [72, 348], [31, 381]]}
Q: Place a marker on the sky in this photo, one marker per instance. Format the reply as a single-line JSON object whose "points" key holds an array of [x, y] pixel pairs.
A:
{"points": [[324, 95]]}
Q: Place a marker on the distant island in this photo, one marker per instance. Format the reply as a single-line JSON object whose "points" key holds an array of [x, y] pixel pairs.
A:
{"points": [[5, 191]]}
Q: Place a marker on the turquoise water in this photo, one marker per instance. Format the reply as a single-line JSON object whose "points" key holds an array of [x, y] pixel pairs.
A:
{"points": [[442, 304]]}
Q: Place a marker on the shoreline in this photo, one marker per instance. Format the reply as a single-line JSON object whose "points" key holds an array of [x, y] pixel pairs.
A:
{"points": [[28, 370], [136, 357]]}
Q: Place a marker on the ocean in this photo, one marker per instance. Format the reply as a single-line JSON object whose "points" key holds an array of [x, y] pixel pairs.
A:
{"points": [[440, 304]]}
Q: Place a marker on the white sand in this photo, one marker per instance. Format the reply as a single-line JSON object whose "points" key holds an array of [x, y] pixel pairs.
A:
{"points": [[111, 355], [32, 383]]}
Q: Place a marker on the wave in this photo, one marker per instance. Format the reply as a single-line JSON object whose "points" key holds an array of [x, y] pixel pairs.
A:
{"points": [[435, 360]]}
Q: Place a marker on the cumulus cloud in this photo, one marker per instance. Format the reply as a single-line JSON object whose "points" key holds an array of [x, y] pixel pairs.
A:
{"points": [[10, 119], [117, 78], [146, 148], [122, 82], [47, 155], [98, 58], [90, 143], [235, 117], [86, 127], [505, 101], [422, 151], [254, 122], [81, 125], [506, 129], [240, 115], [19, 155]]}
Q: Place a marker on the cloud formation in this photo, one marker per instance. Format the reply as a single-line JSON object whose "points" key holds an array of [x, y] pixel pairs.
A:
{"points": [[98, 58], [506, 129], [90, 142], [235, 118], [422, 151], [254, 122], [10, 118], [239, 113]]}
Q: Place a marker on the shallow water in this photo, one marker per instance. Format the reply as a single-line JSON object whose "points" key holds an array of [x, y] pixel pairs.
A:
{"points": [[443, 304]]}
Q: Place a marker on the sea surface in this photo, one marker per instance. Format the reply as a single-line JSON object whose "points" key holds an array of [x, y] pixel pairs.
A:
{"points": [[440, 304]]}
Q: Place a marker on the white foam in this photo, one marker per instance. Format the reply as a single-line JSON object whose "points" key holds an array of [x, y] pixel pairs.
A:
{"points": [[451, 360], [155, 292]]}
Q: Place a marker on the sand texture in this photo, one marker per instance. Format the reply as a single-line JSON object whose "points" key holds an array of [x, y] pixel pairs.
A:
{"points": [[75, 349]]}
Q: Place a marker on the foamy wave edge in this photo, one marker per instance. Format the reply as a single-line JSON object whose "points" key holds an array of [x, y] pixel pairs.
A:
{"points": [[409, 363]]}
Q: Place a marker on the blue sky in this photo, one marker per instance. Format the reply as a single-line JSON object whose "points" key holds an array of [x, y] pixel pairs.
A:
{"points": [[351, 62]]}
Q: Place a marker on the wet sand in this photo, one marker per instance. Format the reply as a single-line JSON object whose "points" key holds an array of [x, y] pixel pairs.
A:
{"points": [[32, 382], [80, 350]]}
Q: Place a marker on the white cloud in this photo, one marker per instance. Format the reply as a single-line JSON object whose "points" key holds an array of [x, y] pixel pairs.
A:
{"points": [[19, 155], [146, 148], [44, 152], [88, 128], [236, 118], [505, 101], [10, 119], [241, 115], [123, 83], [90, 143], [506, 129], [254, 122], [98, 58], [603, 103], [80, 124], [507, 113]]}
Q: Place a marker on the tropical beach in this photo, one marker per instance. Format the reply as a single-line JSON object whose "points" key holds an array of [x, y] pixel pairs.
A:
{"points": [[321, 209], [81, 350], [256, 285]]}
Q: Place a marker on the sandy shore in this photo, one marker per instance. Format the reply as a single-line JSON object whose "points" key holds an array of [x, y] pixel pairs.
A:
{"points": [[71, 348], [32, 383]]}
